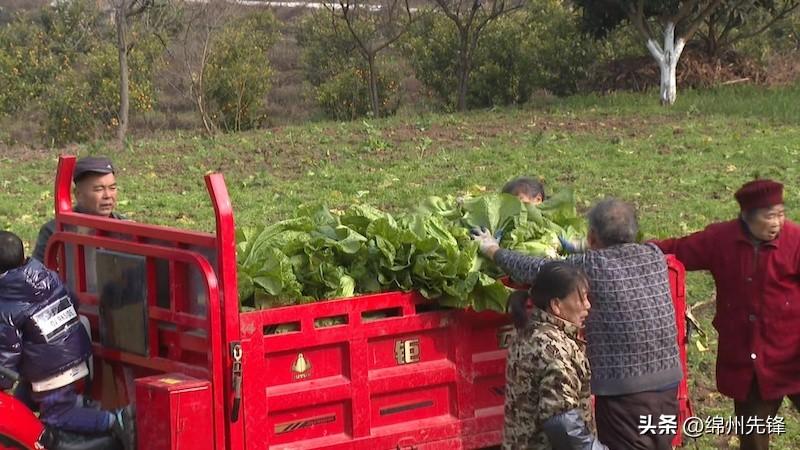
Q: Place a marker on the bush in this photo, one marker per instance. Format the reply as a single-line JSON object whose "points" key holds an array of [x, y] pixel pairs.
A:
{"points": [[540, 47], [431, 49], [339, 75], [563, 57], [83, 102], [27, 65], [346, 95], [70, 110], [63, 60], [238, 73], [35, 47]]}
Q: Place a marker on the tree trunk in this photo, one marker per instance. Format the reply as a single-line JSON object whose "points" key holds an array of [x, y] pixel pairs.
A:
{"points": [[712, 41], [122, 50], [373, 86], [197, 84], [667, 60], [463, 71]]}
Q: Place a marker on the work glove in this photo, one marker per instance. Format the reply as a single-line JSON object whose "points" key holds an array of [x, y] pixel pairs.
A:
{"points": [[486, 241], [572, 246]]}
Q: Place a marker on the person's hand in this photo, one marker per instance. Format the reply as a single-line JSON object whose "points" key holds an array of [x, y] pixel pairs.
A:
{"points": [[566, 245], [487, 243], [571, 246]]}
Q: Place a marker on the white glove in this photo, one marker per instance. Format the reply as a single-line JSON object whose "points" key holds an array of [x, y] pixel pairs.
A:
{"points": [[487, 243]]}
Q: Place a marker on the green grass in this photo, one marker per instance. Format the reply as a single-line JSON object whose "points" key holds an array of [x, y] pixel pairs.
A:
{"points": [[679, 165]]}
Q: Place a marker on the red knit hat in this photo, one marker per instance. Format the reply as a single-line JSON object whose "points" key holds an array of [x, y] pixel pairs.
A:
{"points": [[759, 194]]}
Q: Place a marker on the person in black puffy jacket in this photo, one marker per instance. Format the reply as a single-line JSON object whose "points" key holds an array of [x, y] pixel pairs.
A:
{"points": [[41, 337]]}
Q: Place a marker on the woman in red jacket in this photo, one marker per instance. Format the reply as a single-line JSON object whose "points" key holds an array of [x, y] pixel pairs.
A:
{"points": [[755, 262]]}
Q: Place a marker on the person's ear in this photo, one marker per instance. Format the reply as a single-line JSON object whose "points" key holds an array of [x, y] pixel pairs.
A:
{"points": [[555, 306], [592, 240]]}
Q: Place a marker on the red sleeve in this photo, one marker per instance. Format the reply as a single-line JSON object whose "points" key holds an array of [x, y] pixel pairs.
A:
{"points": [[694, 251]]}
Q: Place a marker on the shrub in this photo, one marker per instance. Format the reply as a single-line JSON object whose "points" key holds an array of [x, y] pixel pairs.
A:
{"points": [[36, 46], [339, 74], [345, 96], [560, 55], [238, 71], [83, 101], [540, 47], [431, 48], [27, 65]]}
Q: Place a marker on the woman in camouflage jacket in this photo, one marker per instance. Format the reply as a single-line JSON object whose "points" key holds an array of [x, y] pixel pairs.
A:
{"points": [[547, 374]]}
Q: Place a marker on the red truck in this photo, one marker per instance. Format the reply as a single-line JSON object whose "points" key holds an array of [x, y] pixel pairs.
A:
{"points": [[394, 371]]}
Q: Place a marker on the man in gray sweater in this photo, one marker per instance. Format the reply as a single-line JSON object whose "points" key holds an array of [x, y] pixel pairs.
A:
{"points": [[630, 332]]}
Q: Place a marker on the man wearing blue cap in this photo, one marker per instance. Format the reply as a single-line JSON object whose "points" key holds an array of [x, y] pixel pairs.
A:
{"points": [[95, 193]]}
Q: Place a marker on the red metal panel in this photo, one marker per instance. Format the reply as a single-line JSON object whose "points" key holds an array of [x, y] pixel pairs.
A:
{"points": [[331, 420], [408, 405], [174, 413], [227, 269], [489, 335], [429, 345], [329, 361], [386, 372], [677, 281]]}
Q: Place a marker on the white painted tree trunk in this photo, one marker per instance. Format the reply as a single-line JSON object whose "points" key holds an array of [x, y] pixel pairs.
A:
{"points": [[667, 58]]}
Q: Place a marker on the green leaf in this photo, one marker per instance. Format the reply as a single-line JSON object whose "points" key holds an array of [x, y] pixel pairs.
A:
{"points": [[496, 212]]}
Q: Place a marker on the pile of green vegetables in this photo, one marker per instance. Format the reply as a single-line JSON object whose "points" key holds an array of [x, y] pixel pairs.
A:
{"points": [[319, 255]]}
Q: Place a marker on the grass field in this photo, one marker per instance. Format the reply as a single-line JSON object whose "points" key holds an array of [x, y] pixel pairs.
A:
{"points": [[680, 166]]}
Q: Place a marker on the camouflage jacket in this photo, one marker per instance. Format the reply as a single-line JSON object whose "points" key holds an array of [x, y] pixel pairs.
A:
{"points": [[547, 374]]}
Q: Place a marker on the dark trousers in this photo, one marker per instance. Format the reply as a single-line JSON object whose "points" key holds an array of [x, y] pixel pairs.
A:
{"points": [[755, 406], [620, 420], [62, 408]]}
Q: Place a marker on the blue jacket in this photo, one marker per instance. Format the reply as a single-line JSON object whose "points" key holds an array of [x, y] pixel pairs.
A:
{"points": [[40, 332]]}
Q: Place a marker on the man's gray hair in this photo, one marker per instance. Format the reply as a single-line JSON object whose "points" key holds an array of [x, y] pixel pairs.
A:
{"points": [[613, 222]]}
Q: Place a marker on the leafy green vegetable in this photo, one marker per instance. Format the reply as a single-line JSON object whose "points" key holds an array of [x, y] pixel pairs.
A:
{"points": [[319, 255], [496, 212]]}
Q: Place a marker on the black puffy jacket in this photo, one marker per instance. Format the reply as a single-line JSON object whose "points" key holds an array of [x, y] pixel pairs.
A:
{"points": [[40, 332]]}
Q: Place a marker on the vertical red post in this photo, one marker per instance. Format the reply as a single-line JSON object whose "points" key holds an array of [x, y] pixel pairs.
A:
{"points": [[226, 268], [62, 201]]}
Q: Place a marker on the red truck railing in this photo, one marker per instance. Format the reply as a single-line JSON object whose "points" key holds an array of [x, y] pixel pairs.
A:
{"points": [[193, 338], [389, 370]]}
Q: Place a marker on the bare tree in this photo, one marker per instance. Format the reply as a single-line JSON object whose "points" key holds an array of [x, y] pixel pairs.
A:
{"points": [[202, 22], [738, 20], [470, 18], [374, 27]]}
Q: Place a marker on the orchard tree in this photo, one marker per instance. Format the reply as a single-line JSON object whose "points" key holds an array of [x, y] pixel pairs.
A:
{"points": [[124, 11], [151, 16], [471, 18], [737, 20], [373, 27], [673, 22]]}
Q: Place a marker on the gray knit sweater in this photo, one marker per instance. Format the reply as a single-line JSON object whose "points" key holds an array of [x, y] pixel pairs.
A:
{"points": [[630, 332]]}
